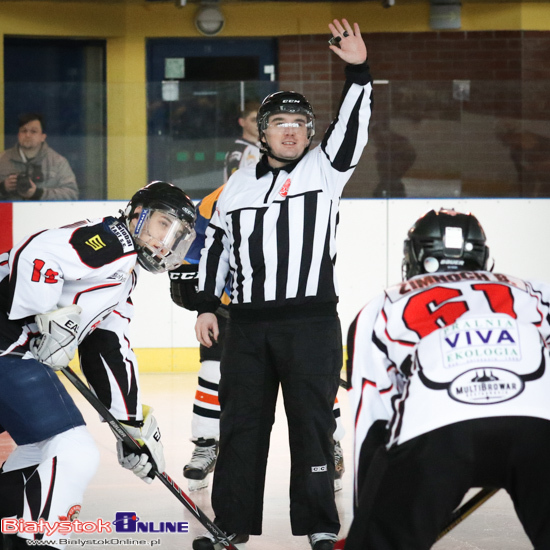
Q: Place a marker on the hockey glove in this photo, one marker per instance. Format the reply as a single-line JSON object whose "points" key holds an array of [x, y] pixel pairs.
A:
{"points": [[58, 341], [147, 436], [184, 286]]}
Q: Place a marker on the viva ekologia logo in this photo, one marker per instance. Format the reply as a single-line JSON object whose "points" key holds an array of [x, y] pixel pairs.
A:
{"points": [[129, 522]]}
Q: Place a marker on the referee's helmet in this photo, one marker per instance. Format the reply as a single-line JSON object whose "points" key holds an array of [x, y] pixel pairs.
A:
{"points": [[285, 102]]}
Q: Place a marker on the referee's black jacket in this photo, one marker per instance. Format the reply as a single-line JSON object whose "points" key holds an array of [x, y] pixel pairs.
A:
{"points": [[274, 230]]}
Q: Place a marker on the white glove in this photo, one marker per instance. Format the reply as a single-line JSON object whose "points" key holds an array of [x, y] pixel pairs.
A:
{"points": [[58, 341], [147, 436]]}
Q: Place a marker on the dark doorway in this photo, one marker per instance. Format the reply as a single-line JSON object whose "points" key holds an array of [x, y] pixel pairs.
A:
{"points": [[196, 89], [64, 80]]}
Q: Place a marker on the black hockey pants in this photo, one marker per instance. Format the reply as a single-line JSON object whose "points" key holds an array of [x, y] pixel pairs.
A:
{"points": [[304, 357], [411, 490]]}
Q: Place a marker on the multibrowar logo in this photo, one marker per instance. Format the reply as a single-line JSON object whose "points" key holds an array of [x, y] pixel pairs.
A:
{"points": [[486, 386], [129, 522]]}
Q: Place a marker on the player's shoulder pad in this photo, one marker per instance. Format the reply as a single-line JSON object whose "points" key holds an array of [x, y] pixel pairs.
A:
{"points": [[102, 243], [235, 156]]}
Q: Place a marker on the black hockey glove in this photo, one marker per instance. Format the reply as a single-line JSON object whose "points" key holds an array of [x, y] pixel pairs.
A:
{"points": [[184, 286]]}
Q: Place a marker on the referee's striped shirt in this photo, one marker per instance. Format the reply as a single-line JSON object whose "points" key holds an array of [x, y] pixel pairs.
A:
{"points": [[274, 230]]}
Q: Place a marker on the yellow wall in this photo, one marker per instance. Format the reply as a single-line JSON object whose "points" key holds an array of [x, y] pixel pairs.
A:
{"points": [[126, 26], [165, 360]]}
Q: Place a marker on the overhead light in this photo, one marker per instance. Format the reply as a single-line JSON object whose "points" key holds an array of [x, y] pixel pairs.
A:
{"points": [[209, 20]]}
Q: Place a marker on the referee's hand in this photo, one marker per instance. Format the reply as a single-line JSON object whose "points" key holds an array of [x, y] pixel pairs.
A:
{"points": [[206, 329], [350, 44]]}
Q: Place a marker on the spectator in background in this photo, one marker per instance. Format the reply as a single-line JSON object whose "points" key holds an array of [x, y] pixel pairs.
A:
{"points": [[394, 156], [530, 153], [31, 170], [246, 149]]}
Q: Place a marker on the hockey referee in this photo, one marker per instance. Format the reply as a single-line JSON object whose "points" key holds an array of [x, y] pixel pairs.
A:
{"points": [[274, 233]]}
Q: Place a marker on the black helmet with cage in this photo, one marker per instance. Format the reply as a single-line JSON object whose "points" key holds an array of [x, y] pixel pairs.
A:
{"points": [[444, 240], [284, 102], [161, 220]]}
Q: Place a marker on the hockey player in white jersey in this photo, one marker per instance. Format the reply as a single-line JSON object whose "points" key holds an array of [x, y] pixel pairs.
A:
{"points": [[63, 289], [450, 385], [245, 151]]}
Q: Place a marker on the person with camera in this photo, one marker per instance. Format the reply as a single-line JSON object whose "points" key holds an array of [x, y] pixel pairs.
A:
{"points": [[31, 170]]}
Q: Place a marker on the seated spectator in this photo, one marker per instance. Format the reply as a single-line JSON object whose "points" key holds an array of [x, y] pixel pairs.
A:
{"points": [[30, 170]]}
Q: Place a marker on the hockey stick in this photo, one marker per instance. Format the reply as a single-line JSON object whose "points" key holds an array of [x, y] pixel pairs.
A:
{"points": [[462, 512], [122, 435], [458, 516]]}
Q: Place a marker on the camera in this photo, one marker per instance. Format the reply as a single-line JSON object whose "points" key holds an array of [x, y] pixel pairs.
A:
{"points": [[23, 183], [34, 172]]}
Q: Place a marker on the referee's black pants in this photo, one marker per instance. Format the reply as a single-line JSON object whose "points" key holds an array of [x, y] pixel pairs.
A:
{"points": [[411, 490], [304, 357]]}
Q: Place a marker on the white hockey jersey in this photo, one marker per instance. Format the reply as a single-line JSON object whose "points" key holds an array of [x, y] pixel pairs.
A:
{"points": [[244, 154], [89, 263], [448, 347]]}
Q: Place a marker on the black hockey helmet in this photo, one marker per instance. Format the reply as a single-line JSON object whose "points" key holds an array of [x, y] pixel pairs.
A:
{"points": [[285, 102], [444, 241], [164, 225]]}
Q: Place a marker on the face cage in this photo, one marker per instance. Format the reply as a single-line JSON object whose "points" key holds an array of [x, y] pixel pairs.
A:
{"points": [[158, 255]]}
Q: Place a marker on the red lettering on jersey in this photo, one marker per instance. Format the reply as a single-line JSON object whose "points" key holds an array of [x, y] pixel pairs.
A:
{"points": [[432, 309], [284, 189], [50, 276], [499, 297], [37, 267]]}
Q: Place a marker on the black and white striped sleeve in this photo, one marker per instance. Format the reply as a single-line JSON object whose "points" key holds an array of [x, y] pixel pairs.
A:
{"points": [[348, 133]]}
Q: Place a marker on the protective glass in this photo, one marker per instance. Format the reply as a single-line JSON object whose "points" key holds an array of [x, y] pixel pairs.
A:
{"points": [[162, 239]]}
